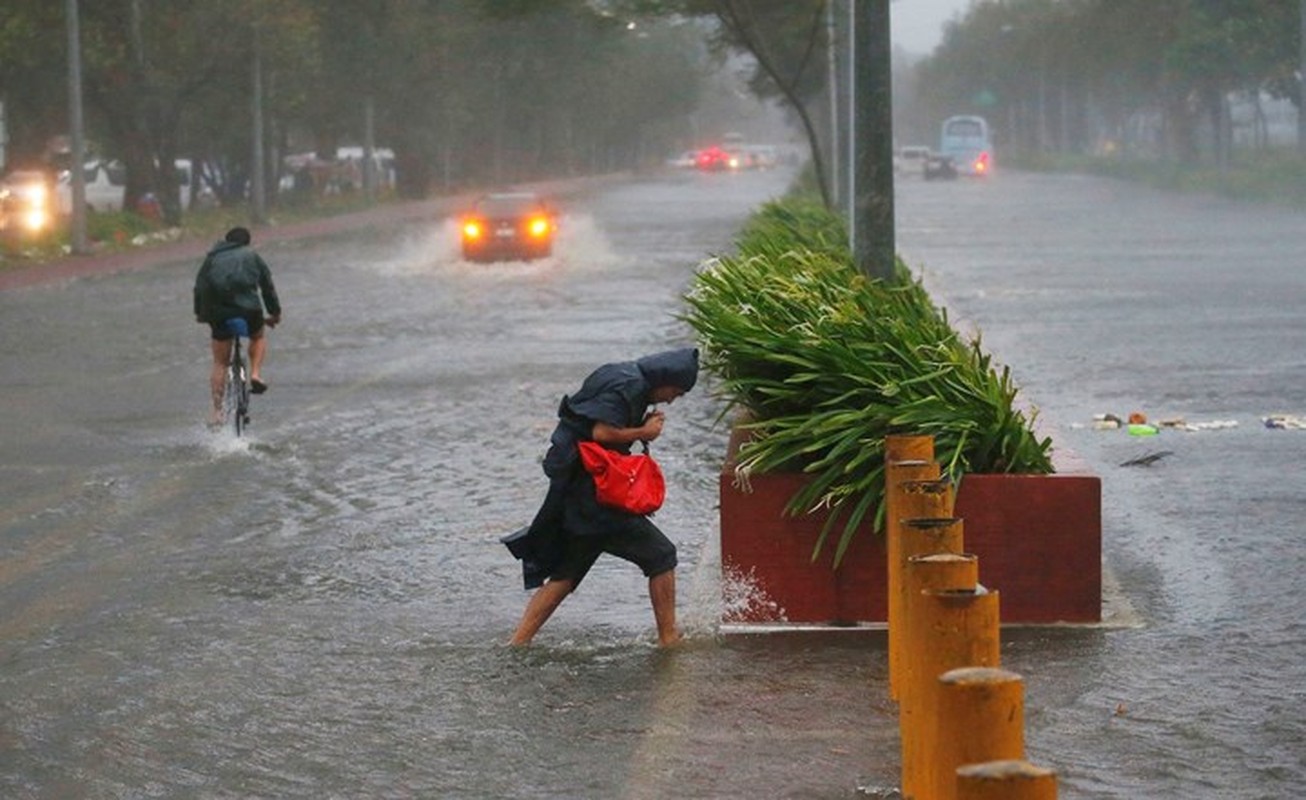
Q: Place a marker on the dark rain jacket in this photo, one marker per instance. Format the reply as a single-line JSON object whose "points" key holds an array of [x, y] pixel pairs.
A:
{"points": [[230, 282], [617, 394]]}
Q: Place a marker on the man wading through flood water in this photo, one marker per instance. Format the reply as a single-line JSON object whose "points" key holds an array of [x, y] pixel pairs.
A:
{"points": [[571, 529]]}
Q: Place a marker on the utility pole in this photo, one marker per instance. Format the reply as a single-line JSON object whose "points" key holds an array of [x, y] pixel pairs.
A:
{"points": [[258, 204], [1301, 83], [369, 146], [77, 172], [832, 91], [872, 227]]}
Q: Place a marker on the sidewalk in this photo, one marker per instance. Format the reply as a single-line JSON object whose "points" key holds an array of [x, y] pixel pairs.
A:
{"points": [[73, 267], [98, 264]]}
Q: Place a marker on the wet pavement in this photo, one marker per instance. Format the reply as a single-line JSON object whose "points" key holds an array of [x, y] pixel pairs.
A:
{"points": [[1105, 297], [319, 610]]}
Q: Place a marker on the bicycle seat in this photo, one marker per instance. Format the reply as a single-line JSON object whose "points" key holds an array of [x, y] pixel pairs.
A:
{"points": [[237, 326]]}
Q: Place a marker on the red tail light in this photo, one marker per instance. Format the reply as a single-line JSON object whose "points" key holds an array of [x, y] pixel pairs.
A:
{"points": [[982, 163], [472, 229]]}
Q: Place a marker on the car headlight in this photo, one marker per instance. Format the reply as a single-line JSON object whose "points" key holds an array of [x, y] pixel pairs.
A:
{"points": [[35, 219], [472, 229]]}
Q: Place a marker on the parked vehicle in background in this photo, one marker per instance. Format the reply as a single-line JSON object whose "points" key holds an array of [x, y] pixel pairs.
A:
{"points": [[757, 156], [508, 226], [939, 167], [910, 159], [105, 186], [965, 139], [686, 160]]}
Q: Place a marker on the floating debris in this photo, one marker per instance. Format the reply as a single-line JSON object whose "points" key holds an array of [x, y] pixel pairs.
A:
{"points": [[1285, 422], [1138, 425], [1147, 460]]}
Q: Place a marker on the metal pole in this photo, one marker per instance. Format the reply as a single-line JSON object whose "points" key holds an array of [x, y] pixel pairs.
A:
{"points": [[850, 121], [258, 205], [1301, 84], [832, 80], [873, 233], [77, 173], [369, 147]]}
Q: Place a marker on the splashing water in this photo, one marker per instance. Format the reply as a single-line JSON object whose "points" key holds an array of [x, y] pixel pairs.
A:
{"points": [[744, 600]]}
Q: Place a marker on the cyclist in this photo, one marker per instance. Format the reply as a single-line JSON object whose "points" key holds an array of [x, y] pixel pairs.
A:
{"points": [[234, 281]]}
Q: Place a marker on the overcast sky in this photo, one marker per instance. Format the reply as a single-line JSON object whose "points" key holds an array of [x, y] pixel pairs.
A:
{"points": [[917, 25]]}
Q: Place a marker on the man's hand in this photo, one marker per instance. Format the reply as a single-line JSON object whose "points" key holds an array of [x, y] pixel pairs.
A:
{"points": [[652, 427], [273, 320], [605, 434]]}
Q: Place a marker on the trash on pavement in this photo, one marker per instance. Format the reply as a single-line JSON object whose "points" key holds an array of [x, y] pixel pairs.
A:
{"points": [[1147, 460], [1106, 422], [1285, 421]]}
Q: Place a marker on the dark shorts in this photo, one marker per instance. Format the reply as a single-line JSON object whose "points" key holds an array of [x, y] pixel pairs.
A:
{"points": [[221, 333], [639, 542]]}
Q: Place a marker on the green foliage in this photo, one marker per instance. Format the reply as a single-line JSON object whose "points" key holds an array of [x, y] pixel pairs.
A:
{"points": [[1067, 73], [466, 92], [827, 363]]}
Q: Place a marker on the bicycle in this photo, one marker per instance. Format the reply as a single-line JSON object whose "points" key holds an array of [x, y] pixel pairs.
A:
{"points": [[235, 396]]}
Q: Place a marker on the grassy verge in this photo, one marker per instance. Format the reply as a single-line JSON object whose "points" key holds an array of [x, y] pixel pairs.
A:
{"points": [[1274, 177]]}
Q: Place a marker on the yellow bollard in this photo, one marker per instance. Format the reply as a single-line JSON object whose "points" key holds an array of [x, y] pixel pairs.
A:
{"points": [[947, 629], [904, 497], [908, 447], [981, 717], [1006, 780], [915, 537], [933, 571]]}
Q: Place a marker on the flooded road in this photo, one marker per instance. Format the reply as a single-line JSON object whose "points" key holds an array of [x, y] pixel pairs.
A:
{"points": [[319, 610]]}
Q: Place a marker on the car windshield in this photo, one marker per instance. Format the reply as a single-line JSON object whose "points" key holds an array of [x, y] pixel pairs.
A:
{"points": [[508, 205]]}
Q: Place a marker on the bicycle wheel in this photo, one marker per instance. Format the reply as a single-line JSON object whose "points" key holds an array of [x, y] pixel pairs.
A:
{"points": [[240, 415], [235, 397]]}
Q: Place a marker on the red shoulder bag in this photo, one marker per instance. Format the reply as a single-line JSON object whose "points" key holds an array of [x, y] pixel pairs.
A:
{"points": [[631, 483]]}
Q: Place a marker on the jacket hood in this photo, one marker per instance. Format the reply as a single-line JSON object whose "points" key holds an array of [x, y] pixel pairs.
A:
{"points": [[677, 368], [223, 245]]}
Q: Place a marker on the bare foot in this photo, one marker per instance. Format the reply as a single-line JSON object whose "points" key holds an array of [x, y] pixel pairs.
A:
{"points": [[672, 640]]}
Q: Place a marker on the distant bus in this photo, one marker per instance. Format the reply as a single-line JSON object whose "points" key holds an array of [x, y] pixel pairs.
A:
{"points": [[965, 140]]}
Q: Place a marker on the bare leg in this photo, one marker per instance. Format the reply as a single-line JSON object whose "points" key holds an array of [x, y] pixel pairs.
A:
{"points": [[218, 376], [662, 592], [258, 347], [541, 606]]}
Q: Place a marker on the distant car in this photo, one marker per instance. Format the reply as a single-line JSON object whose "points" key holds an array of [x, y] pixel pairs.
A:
{"points": [[939, 167], [26, 203], [911, 160], [509, 226], [713, 159], [686, 160]]}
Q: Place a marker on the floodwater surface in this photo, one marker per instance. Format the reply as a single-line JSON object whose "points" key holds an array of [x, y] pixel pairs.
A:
{"points": [[320, 609]]}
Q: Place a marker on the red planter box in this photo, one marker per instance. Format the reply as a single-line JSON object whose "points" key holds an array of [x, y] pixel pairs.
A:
{"points": [[1038, 539]]}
